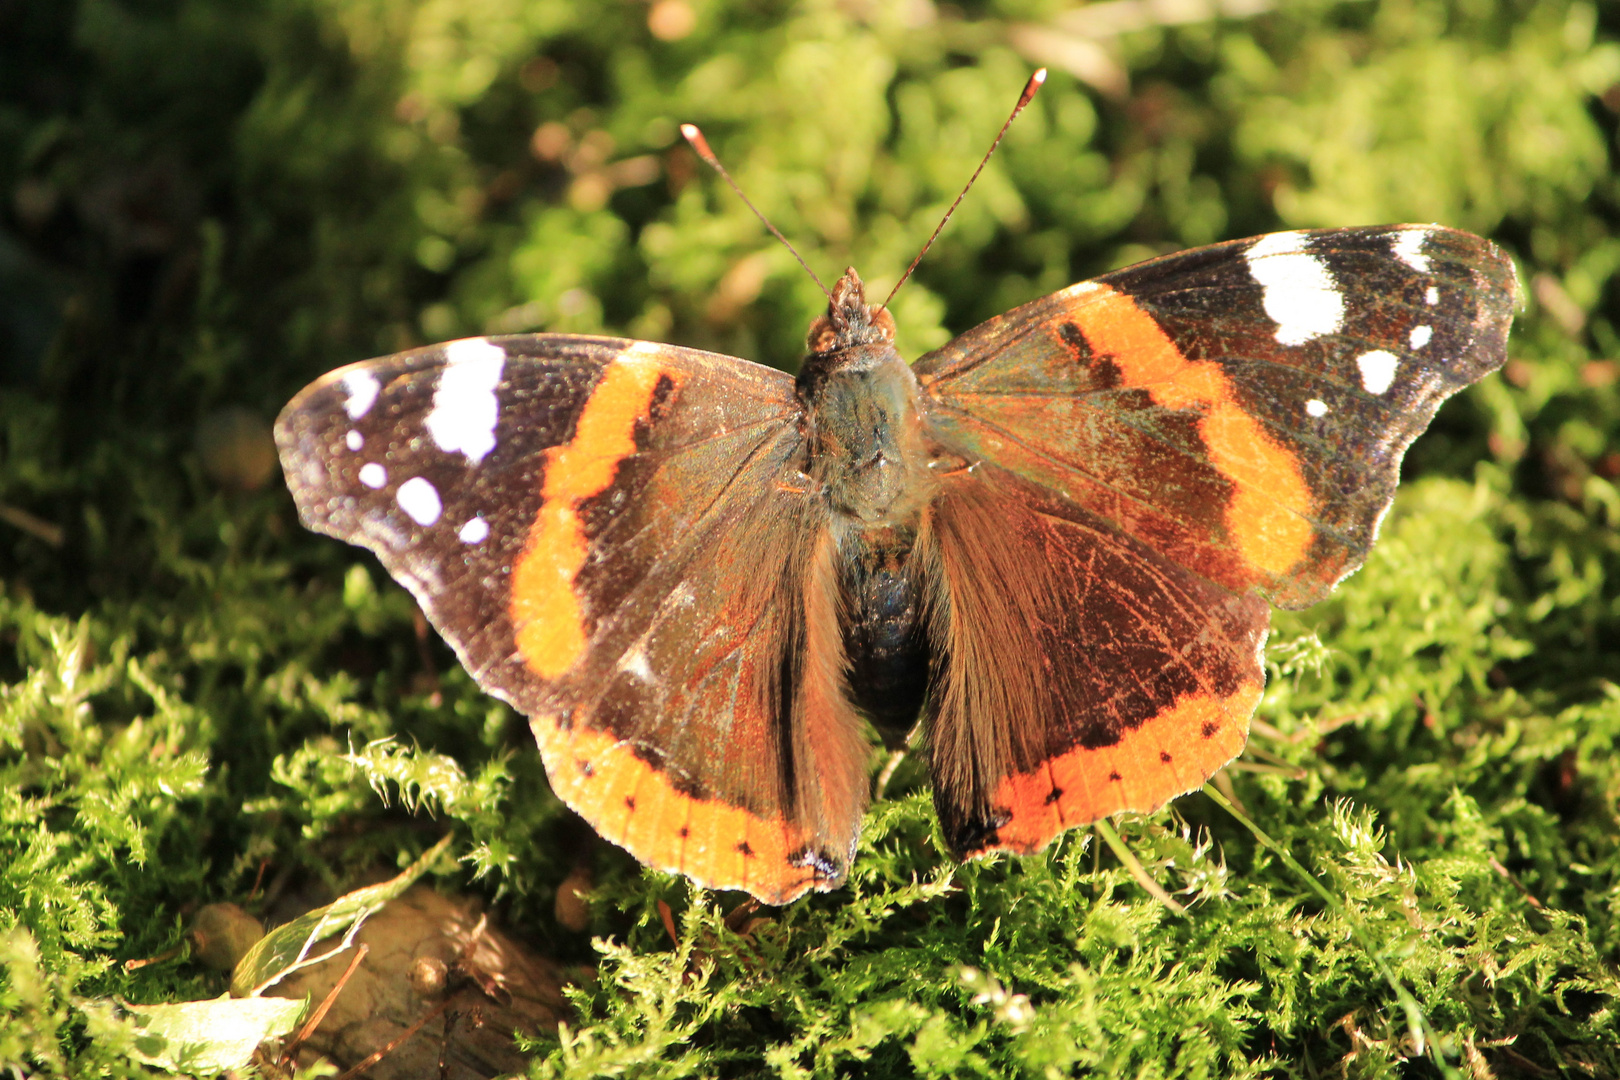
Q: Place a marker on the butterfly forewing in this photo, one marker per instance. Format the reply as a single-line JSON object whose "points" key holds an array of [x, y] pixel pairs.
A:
{"points": [[1244, 407], [608, 534], [445, 508]]}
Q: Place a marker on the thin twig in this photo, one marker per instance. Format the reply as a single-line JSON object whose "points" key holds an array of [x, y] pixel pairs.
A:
{"points": [[1138, 871], [37, 527], [1223, 780], [169, 954], [376, 1056], [1292, 772], [881, 784], [325, 1006], [1517, 884], [1323, 727]]}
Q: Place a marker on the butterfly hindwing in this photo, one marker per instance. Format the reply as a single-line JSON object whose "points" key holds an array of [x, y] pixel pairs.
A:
{"points": [[1077, 672], [610, 536], [1243, 408]]}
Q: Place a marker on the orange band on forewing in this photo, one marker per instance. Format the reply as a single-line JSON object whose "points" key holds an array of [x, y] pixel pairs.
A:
{"points": [[1084, 784], [1269, 514], [545, 612], [636, 806]]}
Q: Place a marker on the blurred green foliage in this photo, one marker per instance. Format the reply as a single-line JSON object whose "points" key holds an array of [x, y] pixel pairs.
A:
{"points": [[208, 202]]}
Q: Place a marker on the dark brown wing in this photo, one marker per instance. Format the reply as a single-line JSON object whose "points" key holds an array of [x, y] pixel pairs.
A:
{"points": [[612, 537], [1078, 672], [1153, 452], [1241, 408]]}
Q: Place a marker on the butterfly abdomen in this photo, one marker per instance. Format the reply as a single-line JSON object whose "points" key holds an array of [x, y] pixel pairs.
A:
{"points": [[885, 639]]}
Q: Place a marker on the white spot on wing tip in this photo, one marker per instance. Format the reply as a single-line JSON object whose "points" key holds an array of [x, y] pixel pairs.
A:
{"points": [[475, 531], [1278, 243], [1421, 335], [1316, 408], [373, 475], [1377, 370], [420, 499], [472, 348], [354, 441], [1298, 292], [362, 388], [1407, 244], [1432, 296], [465, 407]]}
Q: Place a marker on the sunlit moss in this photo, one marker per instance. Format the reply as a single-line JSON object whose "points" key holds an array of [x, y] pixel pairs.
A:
{"points": [[208, 202]]}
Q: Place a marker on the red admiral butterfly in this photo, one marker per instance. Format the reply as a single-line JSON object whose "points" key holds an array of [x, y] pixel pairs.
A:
{"points": [[1054, 539]]}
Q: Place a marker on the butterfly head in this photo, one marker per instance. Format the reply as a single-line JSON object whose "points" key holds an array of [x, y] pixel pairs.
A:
{"points": [[850, 320]]}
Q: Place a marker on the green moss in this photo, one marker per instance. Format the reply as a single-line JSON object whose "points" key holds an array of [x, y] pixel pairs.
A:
{"points": [[208, 202]]}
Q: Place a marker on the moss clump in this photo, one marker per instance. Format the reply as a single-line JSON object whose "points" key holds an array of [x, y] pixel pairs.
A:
{"points": [[208, 202]]}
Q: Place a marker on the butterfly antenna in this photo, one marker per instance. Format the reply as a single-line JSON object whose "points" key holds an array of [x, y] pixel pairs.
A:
{"points": [[701, 145], [1025, 98]]}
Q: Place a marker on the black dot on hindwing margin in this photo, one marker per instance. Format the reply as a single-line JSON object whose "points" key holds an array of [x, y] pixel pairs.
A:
{"points": [[1114, 776], [1210, 728], [1164, 756]]}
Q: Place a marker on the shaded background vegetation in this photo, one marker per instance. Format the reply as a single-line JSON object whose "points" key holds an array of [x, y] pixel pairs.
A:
{"points": [[205, 203]]}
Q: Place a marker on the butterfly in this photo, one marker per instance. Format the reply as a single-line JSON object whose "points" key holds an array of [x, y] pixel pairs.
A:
{"points": [[1053, 543]]}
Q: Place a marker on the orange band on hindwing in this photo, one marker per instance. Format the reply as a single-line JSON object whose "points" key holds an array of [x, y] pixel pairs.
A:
{"points": [[545, 611], [638, 807], [1168, 755], [1268, 515]]}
